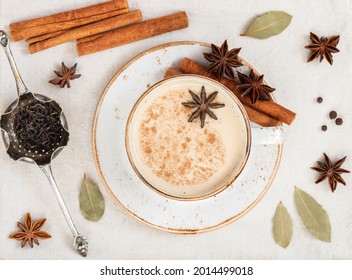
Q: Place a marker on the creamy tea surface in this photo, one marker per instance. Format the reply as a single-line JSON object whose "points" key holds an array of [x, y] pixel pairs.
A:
{"points": [[178, 157], [178, 152]]}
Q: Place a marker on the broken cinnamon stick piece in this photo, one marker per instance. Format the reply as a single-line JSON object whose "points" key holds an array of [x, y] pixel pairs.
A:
{"points": [[87, 30], [132, 33], [61, 21], [253, 115], [171, 72], [260, 118], [270, 108]]}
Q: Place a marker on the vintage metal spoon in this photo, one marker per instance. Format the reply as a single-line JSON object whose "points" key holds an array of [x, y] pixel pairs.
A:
{"points": [[42, 158]]}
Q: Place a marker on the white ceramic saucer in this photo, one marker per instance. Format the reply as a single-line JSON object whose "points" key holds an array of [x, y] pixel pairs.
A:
{"points": [[130, 192]]}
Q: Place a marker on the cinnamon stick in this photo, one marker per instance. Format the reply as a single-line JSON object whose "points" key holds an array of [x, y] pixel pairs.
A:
{"points": [[87, 30], [260, 118], [75, 23], [61, 21], [132, 33], [269, 108], [253, 115], [170, 72], [45, 36]]}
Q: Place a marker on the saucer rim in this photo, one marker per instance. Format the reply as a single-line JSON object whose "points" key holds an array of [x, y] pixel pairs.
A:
{"points": [[100, 172]]}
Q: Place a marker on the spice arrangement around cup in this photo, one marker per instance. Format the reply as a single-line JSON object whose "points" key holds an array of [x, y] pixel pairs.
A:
{"points": [[35, 130]]}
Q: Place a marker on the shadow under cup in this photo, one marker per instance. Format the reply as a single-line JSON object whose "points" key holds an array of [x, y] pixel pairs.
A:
{"points": [[179, 159]]}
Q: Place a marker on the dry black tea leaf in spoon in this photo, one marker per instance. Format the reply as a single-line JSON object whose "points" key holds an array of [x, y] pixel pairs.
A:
{"points": [[38, 126]]}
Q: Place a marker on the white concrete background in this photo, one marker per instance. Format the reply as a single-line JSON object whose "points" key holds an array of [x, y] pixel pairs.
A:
{"points": [[283, 61]]}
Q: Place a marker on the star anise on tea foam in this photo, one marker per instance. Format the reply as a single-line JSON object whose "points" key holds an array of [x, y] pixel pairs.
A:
{"points": [[222, 60], [30, 231], [202, 104], [254, 87], [331, 172], [323, 47], [65, 76]]}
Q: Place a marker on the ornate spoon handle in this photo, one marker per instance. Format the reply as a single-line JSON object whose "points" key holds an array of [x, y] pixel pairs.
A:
{"points": [[80, 242]]}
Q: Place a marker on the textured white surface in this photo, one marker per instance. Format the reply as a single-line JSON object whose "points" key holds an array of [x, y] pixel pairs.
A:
{"points": [[282, 60]]}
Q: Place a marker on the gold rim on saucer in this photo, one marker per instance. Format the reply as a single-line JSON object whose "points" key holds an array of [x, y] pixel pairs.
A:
{"points": [[101, 175]]}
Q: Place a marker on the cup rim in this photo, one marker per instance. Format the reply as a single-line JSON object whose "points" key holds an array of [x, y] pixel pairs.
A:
{"points": [[217, 190]]}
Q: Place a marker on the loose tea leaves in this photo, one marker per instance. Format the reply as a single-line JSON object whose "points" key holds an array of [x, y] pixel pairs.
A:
{"points": [[282, 226], [38, 126], [268, 24], [91, 200], [313, 216]]}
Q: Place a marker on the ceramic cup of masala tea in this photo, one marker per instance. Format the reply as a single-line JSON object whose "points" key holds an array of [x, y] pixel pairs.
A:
{"points": [[189, 137]]}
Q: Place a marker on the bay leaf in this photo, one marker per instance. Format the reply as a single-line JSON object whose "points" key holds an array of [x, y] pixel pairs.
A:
{"points": [[313, 216], [282, 226], [268, 24], [91, 200]]}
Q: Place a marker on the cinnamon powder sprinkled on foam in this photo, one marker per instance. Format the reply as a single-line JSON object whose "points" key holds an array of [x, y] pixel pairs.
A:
{"points": [[177, 151]]}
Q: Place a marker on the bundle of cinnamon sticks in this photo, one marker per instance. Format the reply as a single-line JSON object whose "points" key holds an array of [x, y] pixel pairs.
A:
{"points": [[95, 28], [264, 113]]}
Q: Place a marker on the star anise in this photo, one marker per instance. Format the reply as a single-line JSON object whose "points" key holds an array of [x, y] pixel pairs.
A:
{"points": [[66, 75], [222, 60], [254, 87], [323, 47], [331, 172], [30, 231], [203, 105]]}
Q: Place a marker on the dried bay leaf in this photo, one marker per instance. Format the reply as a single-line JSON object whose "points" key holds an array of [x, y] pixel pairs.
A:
{"points": [[91, 200], [282, 226], [268, 24], [313, 216]]}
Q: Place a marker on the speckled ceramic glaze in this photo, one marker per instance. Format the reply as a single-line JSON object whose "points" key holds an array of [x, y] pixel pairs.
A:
{"points": [[125, 186]]}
